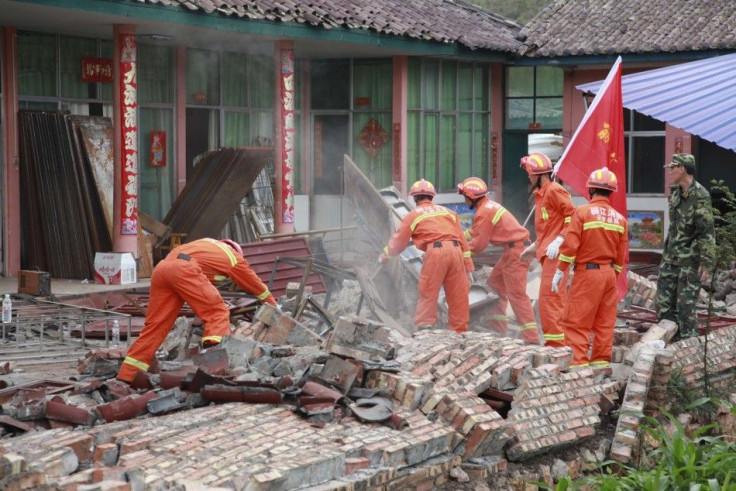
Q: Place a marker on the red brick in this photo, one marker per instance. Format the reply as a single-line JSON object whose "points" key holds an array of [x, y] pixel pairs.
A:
{"points": [[81, 445], [108, 474], [133, 446], [355, 464]]}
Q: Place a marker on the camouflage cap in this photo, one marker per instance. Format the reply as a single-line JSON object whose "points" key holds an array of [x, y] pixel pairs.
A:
{"points": [[684, 159]]}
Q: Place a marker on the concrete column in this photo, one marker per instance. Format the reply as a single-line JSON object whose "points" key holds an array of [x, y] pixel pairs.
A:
{"points": [[399, 122], [125, 140], [11, 191], [284, 137]]}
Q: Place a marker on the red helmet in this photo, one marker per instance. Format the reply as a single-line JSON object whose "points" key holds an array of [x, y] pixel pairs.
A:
{"points": [[233, 245], [423, 188], [536, 163], [473, 188], [603, 179]]}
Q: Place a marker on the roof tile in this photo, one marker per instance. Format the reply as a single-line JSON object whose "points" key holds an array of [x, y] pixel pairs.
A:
{"points": [[594, 27], [445, 21]]}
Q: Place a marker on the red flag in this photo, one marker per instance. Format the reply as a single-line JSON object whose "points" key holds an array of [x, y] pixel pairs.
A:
{"points": [[599, 142]]}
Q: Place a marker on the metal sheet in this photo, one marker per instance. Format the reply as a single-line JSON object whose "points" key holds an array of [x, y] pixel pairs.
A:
{"points": [[696, 97]]}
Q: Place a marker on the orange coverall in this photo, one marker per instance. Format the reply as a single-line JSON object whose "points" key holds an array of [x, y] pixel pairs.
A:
{"points": [[496, 225], [187, 275], [596, 242], [553, 209], [437, 231]]}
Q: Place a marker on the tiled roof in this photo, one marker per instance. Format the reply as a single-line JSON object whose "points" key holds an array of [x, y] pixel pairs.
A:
{"points": [[446, 21], [605, 27]]}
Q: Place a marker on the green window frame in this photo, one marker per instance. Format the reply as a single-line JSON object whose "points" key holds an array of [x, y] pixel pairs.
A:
{"points": [[533, 98], [448, 121]]}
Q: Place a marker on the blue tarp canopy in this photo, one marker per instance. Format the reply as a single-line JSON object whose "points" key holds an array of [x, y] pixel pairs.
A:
{"points": [[698, 97]]}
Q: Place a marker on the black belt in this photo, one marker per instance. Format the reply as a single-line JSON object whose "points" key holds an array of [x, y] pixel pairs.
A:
{"points": [[454, 242], [511, 245], [183, 256]]}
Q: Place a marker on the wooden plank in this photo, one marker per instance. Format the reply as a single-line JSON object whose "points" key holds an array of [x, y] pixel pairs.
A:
{"points": [[145, 255]]}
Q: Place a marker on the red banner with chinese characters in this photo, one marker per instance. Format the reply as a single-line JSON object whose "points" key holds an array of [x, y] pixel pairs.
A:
{"points": [[287, 141], [158, 149], [97, 70], [129, 144]]}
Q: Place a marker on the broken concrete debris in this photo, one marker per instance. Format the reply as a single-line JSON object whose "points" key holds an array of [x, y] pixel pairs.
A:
{"points": [[283, 404]]}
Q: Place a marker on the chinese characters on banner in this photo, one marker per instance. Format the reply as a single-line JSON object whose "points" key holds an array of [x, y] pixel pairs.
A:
{"points": [[287, 140], [97, 70], [129, 143]]}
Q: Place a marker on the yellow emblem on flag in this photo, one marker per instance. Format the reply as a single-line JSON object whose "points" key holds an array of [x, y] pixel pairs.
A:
{"points": [[605, 133]]}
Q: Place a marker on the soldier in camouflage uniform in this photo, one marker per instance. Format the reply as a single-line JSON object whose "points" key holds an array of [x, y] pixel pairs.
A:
{"points": [[688, 249]]}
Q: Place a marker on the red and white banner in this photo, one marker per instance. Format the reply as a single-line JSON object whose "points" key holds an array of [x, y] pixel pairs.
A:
{"points": [[599, 142], [129, 144], [286, 72]]}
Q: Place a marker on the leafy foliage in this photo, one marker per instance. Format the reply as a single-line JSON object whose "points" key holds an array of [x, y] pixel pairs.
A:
{"points": [[679, 462]]}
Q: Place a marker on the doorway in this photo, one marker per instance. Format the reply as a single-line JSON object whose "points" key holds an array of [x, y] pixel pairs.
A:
{"points": [[330, 142], [202, 134]]}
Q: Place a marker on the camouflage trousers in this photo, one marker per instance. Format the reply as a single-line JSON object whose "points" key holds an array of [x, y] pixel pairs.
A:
{"points": [[678, 288]]}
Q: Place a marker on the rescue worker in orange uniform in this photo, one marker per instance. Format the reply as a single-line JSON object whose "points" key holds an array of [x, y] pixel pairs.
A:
{"points": [[187, 275], [596, 242], [436, 231], [494, 224], [552, 211]]}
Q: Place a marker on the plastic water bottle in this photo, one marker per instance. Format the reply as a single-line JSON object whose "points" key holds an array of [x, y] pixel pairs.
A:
{"points": [[7, 309], [115, 333]]}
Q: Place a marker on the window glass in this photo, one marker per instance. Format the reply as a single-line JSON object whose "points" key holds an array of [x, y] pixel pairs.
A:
{"points": [[465, 146], [549, 81], [647, 173], [431, 122], [414, 83], [328, 84], [237, 129], [480, 146], [262, 76], [449, 85], [235, 79], [156, 74], [157, 184], [519, 113], [520, 81], [372, 82], [106, 51], [413, 147], [482, 86], [430, 82], [447, 153], [203, 77], [549, 112], [72, 50], [642, 122], [37, 64], [465, 86]]}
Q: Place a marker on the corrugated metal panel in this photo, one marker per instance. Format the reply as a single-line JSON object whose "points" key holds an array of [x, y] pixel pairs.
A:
{"points": [[262, 256], [697, 97]]}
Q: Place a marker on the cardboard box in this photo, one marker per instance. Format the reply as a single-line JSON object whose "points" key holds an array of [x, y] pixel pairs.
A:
{"points": [[34, 282], [115, 268]]}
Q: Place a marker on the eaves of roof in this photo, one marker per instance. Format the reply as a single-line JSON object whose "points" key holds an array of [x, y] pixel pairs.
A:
{"points": [[287, 24]]}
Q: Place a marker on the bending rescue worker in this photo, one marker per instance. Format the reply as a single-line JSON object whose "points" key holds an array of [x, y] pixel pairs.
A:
{"points": [[187, 275]]}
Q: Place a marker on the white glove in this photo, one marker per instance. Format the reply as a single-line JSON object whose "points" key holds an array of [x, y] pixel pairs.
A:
{"points": [[470, 278], [556, 281], [553, 249]]}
